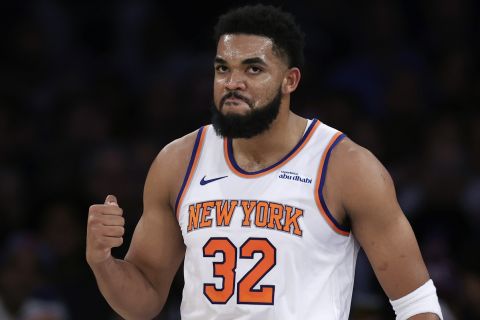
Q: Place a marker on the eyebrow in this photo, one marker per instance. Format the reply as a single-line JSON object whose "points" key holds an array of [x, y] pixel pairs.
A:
{"points": [[248, 61]]}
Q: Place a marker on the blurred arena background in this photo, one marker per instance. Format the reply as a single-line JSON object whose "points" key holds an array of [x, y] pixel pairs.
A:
{"points": [[90, 91]]}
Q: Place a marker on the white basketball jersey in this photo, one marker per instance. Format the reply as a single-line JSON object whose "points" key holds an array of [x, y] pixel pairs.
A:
{"points": [[263, 245]]}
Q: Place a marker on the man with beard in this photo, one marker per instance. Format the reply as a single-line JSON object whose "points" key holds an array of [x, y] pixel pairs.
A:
{"points": [[265, 231]]}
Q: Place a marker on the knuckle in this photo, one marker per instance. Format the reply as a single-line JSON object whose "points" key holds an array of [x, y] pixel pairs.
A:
{"points": [[93, 220], [117, 231], [120, 221], [120, 231], [98, 232], [94, 213], [93, 208]]}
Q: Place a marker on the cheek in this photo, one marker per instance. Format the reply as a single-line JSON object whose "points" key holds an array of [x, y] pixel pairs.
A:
{"points": [[265, 90], [266, 80], [217, 91]]}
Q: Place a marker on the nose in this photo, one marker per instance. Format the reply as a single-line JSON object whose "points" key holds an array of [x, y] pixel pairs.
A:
{"points": [[235, 82]]}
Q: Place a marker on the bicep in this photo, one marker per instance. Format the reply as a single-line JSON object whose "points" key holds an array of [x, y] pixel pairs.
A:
{"points": [[382, 229], [157, 247]]}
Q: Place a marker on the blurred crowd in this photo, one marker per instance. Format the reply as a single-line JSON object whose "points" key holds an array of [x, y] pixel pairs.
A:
{"points": [[90, 91]]}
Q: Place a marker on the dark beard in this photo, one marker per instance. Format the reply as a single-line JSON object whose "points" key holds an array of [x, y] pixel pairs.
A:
{"points": [[255, 122]]}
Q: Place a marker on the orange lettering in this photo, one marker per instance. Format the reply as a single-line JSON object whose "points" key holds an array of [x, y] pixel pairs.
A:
{"points": [[261, 214], [248, 207], [225, 212], [292, 219], [193, 217], [206, 211], [276, 214]]}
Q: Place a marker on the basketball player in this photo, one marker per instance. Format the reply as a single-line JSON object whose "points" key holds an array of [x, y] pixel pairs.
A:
{"points": [[267, 209]]}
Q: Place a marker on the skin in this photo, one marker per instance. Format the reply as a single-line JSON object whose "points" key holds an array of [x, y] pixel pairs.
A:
{"points": [[137, 286]]}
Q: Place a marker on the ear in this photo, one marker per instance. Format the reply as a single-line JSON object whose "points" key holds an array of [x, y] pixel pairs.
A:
{"points": [[291, 80]]}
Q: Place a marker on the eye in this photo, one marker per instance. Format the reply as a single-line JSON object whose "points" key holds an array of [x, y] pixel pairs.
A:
{"points": [[221, 68], [254, 70]]}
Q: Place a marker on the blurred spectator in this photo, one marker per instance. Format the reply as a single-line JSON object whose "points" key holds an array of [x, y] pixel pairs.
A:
{"points": [[25, 292]]}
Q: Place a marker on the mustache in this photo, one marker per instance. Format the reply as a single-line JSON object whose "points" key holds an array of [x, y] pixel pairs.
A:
{"points": [[234, 94]]}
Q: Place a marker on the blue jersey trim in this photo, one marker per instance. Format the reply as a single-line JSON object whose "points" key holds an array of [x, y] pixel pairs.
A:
{"points": [[322, 183], [298, 145], [189, 168]]}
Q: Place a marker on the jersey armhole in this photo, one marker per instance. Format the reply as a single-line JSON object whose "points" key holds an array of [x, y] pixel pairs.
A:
{"points": [[192, 165], [321, 176]]}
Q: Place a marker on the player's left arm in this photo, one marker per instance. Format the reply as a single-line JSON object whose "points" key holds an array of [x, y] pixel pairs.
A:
{"points": [[369, 201]]}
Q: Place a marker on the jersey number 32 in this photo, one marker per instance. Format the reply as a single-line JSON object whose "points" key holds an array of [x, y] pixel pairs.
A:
{"points": [[226, 269]]}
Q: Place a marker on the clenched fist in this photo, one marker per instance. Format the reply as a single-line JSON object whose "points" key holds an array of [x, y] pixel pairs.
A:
{"points": [[105, 229]]}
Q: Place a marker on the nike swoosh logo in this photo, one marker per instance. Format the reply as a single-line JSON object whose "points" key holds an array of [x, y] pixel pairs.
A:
{"points": [[205, 181]]}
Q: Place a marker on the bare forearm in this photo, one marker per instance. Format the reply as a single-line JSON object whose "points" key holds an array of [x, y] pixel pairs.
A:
{"points": [[127, 290]]}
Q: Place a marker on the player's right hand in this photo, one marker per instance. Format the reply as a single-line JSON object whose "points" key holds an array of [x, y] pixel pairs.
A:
{"points": [[105, 229]]}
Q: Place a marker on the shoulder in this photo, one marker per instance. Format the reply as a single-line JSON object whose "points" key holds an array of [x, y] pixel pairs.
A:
{"points": [[170, 164], [359, 175], [179, 149], [356, 162]]}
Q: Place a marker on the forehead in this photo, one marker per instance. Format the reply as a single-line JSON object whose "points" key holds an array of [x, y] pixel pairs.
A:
{"points": [[233, 47]]}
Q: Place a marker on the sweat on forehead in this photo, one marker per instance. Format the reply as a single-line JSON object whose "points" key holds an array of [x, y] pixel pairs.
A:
{"points": [[250, 46]]}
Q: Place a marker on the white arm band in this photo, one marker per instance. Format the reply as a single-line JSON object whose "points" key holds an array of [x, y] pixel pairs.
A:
{"points": [[422, 300]]}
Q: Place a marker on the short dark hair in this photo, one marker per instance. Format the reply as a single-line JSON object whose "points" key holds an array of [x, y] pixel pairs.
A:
{"points": [[268, 21]]}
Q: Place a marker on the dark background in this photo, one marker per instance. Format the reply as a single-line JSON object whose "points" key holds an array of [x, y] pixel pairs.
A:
{"points": [[90, 91]]}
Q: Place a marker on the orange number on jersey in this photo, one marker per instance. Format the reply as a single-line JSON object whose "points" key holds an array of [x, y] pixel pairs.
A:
{"points": [[226, 270], [246, 293]]}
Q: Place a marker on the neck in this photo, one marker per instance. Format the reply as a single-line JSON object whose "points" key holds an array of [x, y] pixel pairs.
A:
{"points": [[272, 145]]}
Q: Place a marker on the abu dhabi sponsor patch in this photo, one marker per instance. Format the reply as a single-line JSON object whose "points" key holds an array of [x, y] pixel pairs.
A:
{"points": [[293, 176]]}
